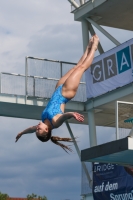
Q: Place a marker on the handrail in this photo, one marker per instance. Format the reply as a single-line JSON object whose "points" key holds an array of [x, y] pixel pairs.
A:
{"points": [[39, 77], [65, 62], [17, 86]]}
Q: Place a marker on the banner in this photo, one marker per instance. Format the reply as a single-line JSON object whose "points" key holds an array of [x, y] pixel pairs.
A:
{"points": [[110, 70], [112, 182]]}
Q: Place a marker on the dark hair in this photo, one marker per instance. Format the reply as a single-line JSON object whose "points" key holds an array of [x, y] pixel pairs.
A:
{"points": [[55, 140], [44, 138]]}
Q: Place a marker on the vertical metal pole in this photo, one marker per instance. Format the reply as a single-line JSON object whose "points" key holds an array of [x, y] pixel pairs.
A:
{"points": [[26, 74], [0, 84], [34, 86], [74, 141], [85, 38], [61, 70], [92, 128], [78, 152], [85, 34], [116, 119]]}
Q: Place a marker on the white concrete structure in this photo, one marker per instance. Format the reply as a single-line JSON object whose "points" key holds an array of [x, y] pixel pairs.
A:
{"points": [[112, 13]]}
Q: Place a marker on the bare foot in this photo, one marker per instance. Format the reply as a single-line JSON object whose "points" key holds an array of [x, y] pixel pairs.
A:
{"points": [[90, 43], [88, 48], [95, 42]]}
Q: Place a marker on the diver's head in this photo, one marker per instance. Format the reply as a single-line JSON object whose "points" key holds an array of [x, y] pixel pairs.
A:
{"points": [[43, 132]]}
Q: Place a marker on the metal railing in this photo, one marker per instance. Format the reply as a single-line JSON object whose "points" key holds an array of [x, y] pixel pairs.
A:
{"points": [[12, 83], [78, 3], [41, 76]]}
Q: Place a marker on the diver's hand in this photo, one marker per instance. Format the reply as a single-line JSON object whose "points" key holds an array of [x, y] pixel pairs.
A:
{"points": [[78, 117], [18, 136]]}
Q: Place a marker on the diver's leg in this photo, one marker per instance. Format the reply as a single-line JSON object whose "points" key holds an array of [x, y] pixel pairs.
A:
{"points": [[72, 82], [63, 78]]}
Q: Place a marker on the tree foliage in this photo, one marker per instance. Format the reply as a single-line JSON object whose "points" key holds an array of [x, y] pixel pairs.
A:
{"points": [[29, 197], [34, 196], [3, 196]]}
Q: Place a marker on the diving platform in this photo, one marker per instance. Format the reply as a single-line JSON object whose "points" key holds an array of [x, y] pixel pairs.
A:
{"points": [[116, 152], [112, 13], [20, 106], [29, 107], [21, 96]]}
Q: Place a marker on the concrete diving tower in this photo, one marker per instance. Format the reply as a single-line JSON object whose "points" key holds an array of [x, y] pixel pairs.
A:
{"points": [[117, 152], [31, 108], [112, 13], [101, 109]]}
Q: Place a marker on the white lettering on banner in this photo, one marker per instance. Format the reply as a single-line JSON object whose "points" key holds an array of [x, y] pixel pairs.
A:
{"points": [[125, 196], [104, 167], [110, 70], [109, 186], [124, 61], [99, 188], [109, 65], [100, 73]]}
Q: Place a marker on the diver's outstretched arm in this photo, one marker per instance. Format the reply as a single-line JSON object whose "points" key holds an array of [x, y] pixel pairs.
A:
{"points": [[31, 129], [66, 116]]}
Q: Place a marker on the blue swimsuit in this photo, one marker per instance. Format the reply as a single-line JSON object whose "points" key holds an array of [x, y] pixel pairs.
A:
{"points": [[53, 106]]}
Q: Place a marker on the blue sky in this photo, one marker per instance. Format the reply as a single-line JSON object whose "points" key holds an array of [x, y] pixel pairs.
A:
{"points": [[42, 29]]}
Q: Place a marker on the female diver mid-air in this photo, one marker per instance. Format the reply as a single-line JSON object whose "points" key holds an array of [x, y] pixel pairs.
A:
{"points": [[53, 115]]}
